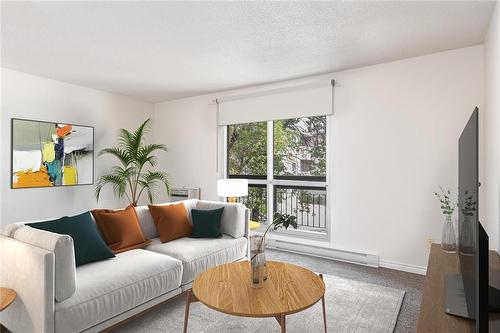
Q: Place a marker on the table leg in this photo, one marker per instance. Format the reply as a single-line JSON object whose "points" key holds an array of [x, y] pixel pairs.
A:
{"points": [[324, 308], [190, 298], [282, 321]]}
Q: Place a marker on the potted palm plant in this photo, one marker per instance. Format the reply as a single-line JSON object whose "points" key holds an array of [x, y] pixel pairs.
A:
{"points": [[133, 176]]}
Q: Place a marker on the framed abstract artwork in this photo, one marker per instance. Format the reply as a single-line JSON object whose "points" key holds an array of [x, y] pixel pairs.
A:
{"points": [[46, 154]]}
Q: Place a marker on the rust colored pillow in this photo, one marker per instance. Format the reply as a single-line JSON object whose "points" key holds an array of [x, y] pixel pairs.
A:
{"points": [[120, 229], [171, 221]]}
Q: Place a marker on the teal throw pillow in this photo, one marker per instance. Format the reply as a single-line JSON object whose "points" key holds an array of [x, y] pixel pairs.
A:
{"points": [[88, 243], [206, 223]]}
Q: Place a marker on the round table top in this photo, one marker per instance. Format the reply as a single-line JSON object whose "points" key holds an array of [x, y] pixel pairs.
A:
{"points": [[288, 289], [7, 296]]}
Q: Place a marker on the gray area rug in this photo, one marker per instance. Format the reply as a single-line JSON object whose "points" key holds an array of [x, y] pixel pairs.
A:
{"points": [[351, 306]]}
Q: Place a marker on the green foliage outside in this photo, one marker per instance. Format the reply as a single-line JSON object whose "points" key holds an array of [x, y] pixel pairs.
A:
{"points": [[294, 140]]}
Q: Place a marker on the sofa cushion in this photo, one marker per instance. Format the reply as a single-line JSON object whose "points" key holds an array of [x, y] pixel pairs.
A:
{"points": [[199, 254], [146, 220], [206, 223], [64, 253], [232, 217], [88, 243], [172, 221], [120, 229], [108, 288]]}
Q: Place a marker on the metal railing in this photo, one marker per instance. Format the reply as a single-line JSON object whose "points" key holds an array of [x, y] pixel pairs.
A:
{"points": [[308, 204], [256, 201]]}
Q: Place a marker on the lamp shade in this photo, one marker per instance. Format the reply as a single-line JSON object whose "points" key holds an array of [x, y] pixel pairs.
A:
{"points": [[232, 187]]}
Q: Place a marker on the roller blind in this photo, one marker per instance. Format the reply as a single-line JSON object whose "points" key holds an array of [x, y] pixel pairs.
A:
{"points": [[285, 103]]}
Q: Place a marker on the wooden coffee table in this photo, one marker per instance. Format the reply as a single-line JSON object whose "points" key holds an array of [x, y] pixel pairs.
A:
{"points": [[227, 288]]}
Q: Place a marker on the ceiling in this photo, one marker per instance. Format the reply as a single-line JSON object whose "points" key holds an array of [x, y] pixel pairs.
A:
{"points": [[157, 51]]}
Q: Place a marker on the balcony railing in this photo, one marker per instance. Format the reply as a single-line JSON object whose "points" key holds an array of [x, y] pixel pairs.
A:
{"points": [[256, 201], [308, 204]]}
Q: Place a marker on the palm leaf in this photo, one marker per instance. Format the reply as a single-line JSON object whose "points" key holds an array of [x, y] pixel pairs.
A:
{"points": [[150, 180], [118, 183], [125, 139], [119, 153], [144, 153], [138, 136]]}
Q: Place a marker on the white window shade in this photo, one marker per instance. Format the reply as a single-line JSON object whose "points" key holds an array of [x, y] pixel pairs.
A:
{"points": [[285, 103]]}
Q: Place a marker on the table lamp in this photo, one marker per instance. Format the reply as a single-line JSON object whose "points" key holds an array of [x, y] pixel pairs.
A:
{"points": [[232, 188]]}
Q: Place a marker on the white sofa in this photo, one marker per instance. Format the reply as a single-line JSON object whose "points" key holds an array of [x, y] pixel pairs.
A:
{"points": [[109, 291]]}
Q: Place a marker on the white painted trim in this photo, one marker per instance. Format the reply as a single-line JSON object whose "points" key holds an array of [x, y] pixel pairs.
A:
{"points": [[403, 267], [270, 170]]}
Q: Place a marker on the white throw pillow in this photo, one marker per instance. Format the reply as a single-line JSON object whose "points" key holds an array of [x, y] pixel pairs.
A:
{"points": [[64, 252]]}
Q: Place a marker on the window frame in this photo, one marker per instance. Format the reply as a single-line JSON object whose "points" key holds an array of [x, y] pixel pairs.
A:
{"points": [[270, 181], [226, 156], [295, 177]]}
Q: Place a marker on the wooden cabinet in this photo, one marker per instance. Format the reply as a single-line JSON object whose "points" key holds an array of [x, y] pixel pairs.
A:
{"points": [[432, 316]]}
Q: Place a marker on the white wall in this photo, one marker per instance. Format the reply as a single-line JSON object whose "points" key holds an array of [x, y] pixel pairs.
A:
{"points": [[32, 97], [393, 140], [490, 194]]}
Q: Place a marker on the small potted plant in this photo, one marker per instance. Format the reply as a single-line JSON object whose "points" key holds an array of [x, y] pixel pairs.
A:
{"points": [[257, 246], [448, 240]]}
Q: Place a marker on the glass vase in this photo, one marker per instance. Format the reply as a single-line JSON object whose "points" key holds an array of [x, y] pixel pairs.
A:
{"points": [[258, 261], [466, 235], [448, 240]]}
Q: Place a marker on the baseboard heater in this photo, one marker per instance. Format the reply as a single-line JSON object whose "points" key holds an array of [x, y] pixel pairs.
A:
{"points": [[318, 251]]}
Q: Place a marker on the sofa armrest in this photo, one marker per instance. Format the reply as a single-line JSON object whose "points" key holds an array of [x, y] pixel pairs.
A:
{"points": [[29, 270]]}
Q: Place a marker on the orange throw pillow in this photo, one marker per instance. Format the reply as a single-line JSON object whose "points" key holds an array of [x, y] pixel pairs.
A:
{"points": [[171, 221], [120, 229]]}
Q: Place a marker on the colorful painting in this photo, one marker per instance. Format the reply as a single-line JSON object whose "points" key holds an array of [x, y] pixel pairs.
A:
{"points": [[48, 154]]}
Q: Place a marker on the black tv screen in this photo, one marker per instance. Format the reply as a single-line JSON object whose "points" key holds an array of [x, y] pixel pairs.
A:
{"points": [[468, 222]]}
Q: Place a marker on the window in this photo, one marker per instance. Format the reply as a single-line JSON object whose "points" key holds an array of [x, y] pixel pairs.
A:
{"points": [[308, 204], [297, 185], [300, 148], [256, 201], [247, 150], [306, 166]]}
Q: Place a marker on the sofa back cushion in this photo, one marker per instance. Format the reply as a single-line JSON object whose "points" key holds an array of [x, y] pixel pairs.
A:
{"points": [[62, 246], [233, 216], [146, 222]]}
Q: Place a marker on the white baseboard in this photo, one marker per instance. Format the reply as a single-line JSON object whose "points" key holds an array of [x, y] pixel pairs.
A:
{"points": [[403, 267]]}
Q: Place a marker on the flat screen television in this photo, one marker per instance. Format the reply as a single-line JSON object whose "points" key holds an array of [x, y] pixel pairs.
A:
{"points": [[468, 293]]}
